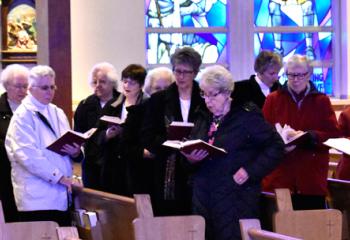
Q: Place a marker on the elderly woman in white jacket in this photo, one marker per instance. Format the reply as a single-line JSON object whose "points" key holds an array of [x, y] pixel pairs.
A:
{"points": [[41, 179]]}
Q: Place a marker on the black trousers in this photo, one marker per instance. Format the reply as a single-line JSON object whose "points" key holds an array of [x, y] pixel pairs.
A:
{"points": [[63, 218]]}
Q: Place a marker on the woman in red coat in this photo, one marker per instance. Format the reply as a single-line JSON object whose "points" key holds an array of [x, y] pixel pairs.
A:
{"points": [[343, 168], [299, 105]]}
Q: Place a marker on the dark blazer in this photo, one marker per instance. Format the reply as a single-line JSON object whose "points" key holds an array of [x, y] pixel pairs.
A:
{"points": [[122, 154], [250, 91], [6, 190], [86, 116], [163, 108]]}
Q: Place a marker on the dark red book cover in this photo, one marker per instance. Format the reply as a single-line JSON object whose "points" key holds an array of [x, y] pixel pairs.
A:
{"points": [[179, 130], [190, 145], [70, 137]]}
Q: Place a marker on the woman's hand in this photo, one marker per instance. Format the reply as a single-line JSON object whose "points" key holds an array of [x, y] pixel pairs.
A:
{"points": [[148, 154], [72, 150], [241, 176], [69, 182], [196, 155], [113, 131]]}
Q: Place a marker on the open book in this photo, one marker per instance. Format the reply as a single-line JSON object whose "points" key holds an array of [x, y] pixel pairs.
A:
{"points": [[340, 144], [179, 130], [288, 141], [111, 120], [70, 137], [190, 145]]}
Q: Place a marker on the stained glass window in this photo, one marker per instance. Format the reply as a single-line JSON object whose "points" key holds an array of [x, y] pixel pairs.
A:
{"points": [[200, 24], [21, 26], [297, 26]]}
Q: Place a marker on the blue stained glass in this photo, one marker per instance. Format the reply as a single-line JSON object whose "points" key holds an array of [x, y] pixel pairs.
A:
{"points": [[212, 47], [200, 13], [291, 13]]}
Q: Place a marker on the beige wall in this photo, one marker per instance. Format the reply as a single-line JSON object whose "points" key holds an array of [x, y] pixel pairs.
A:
{"points": [[104, 30]]}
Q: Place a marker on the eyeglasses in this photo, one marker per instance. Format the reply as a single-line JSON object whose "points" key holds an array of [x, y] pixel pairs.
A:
{"points": [[130, 82], [297, 75], [208, 96], [47, 87], [185, 73], [19, 86]]}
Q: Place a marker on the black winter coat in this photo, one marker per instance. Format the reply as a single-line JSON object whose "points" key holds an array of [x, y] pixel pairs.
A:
{"points": [[251, 143], [6, 190]]}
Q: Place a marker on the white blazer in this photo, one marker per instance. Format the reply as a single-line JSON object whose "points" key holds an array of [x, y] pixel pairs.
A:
{"points": [[35, 170]]}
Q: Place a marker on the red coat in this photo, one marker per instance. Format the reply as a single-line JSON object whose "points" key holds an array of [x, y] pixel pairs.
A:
{"points": [[343, 168], [304, 170]]}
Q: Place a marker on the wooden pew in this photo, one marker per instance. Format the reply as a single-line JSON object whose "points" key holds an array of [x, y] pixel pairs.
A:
{"points": [[31, 230], [324, 224], [169, 228], [115, 214], [339, 198], [251, 230]]}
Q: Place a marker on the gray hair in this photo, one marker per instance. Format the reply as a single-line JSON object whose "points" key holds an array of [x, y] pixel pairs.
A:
{"points": [[108, 69], [10, 73], [298, 60], [154, 74], [218, 77], [39, 72]]}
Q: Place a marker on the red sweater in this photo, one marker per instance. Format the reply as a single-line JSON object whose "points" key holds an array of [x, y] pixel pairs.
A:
{"points": [[303, 170]]}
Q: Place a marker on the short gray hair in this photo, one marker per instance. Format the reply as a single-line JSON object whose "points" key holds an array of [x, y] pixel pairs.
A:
{"points": [[39, 72], [218, 77], [299, 60], [153, 74], [10, 73], [108, 68]]}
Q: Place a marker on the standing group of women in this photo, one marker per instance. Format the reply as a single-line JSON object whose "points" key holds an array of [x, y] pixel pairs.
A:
{"points": [[129, 158]]}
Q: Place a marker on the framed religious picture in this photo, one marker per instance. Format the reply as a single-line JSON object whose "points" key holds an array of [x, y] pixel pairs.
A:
{"points": [[19, 33]]}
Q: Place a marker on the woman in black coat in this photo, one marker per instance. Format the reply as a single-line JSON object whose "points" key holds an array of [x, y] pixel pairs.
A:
{"points": [[226, 188], [15, 81], [119, 144], [171, 193], [103, 81]]}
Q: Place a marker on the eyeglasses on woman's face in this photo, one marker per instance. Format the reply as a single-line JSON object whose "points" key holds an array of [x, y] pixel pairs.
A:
{"points": [[47, 87], [209, 96], [291, 75]]}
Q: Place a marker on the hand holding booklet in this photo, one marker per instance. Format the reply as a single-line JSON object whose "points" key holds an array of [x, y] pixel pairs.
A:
{"points": [[190, 145], [340, 144], [179, 130], [111, 120], [289, 135], [70, 137]]}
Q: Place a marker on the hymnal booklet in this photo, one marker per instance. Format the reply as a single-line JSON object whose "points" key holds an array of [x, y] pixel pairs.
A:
{"points": [[288, 141], [340, 144], [70, 137], [179, 130], [190, 145], [111, 120]]}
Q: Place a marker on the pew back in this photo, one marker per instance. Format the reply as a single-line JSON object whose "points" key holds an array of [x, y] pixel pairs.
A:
{"points": [[169, 228], [115, 213], [308, 224], [29, 230], [251, 230]]}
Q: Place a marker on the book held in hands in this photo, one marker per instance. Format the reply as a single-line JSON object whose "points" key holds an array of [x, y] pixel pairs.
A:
{"points": [[111, 120], [340, 144], [198, 144], [70, 137], [296, 139], [179, 130]]}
